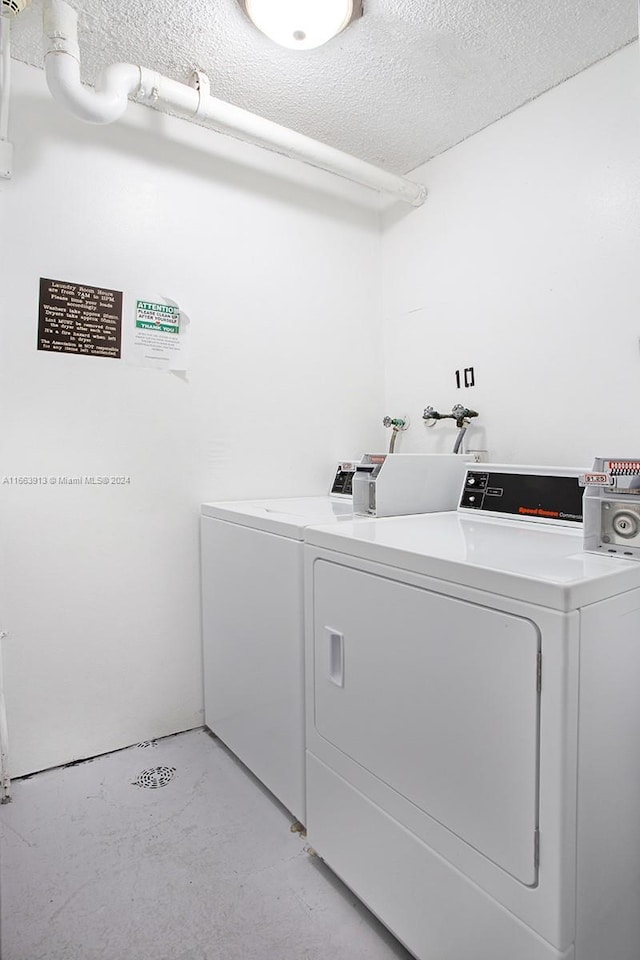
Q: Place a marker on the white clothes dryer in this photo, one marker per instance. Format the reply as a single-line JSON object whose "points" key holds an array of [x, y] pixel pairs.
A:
{"points": [[473, 724]]}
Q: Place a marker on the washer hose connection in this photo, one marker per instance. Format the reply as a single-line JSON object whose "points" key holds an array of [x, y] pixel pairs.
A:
{"points": [[397, 424]]}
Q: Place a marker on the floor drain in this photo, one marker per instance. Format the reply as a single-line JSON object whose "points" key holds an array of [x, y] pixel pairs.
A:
{"points": [[147, 743], [155, 777]]}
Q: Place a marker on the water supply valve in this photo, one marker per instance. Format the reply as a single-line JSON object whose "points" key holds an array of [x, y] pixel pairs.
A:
{"points": [[461, 415], [397, 424]]}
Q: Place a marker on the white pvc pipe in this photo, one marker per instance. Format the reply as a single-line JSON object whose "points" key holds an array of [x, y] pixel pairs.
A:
{"points": [[222, 116], [108, 101], [104, 104]]}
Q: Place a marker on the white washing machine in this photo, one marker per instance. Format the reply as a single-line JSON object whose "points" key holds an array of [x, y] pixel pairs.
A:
{"points": [[253, 624], [473, 724]]}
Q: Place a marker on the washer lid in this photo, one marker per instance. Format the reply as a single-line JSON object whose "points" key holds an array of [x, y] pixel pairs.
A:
{"points": [[537, 564], [286, 517]]}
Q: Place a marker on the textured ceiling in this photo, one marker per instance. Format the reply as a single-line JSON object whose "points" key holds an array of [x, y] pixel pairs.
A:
{"points": [[404, 83]]}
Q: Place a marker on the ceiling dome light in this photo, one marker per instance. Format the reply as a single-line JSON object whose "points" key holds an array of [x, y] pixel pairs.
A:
{"points": [[302, 24]]}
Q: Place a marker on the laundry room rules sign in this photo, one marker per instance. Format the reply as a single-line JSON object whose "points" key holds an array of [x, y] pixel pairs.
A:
{"points": [[75, 318]]}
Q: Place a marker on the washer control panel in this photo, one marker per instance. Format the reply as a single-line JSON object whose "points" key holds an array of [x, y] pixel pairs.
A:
{"points": [[526, 493]]}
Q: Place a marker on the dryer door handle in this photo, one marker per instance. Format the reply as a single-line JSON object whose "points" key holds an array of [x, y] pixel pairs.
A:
{"points": [[336, 656]]}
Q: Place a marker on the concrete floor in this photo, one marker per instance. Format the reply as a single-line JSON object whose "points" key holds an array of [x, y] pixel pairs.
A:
{"points": [[96, 867]]}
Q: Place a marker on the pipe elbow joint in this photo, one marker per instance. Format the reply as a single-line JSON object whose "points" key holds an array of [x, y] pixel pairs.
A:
{"points": [[116, 83], [106, 103]]}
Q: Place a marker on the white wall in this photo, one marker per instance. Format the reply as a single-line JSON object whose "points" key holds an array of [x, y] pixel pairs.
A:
{"points": [[524, 263], [100, 590]]}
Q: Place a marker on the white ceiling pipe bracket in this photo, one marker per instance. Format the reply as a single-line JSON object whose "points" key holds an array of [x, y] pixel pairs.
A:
{"points": [[108, 101], [200, 81]]}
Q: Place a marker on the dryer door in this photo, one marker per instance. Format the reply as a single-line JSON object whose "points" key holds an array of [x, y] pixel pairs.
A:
{"points": [[438, 698]]}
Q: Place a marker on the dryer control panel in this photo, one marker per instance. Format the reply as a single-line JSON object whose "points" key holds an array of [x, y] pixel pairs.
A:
{"points": [[540, 494], [342, 485]]}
